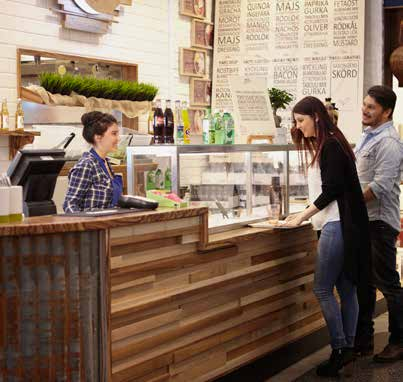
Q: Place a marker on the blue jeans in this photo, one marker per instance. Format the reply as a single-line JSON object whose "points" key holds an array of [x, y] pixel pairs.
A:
{"points": [[341, 320]]}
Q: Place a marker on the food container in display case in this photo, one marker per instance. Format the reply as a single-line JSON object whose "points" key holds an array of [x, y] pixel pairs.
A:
{"points": [[238, 183]]}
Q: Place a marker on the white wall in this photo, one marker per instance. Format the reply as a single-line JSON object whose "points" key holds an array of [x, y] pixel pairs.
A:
{"points": [[148, 33]]}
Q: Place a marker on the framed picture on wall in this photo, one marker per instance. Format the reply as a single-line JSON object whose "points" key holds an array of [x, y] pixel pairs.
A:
{"points": [[193, 8], [192, 62], [196, 116], [200, 92], [202, 34]]}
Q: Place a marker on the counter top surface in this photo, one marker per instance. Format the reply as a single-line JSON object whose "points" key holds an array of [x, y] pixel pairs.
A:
{"points": [[54, 224]]}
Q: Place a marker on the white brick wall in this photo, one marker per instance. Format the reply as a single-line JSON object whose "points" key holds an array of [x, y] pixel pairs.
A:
{"points": [[149, 33]]}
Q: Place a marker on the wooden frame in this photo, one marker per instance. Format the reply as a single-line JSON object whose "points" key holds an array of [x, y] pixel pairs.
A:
{"points": [[200, 92], [192, 62], [129, 73], [193, 8], [202, 34], [196, 115]]}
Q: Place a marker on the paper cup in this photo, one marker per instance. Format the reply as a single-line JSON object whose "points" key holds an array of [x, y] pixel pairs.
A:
{"points": [[15, 203], [4, 204]]}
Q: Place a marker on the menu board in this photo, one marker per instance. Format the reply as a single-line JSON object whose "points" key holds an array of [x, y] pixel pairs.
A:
{"points": [[252, 109], [307, 47]]}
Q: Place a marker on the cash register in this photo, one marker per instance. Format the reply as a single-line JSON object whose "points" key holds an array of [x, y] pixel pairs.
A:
{"points": [[37, 171]]}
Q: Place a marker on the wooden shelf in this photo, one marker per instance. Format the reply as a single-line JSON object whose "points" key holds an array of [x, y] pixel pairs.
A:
{"points": [[17, 139], [25, 133]]}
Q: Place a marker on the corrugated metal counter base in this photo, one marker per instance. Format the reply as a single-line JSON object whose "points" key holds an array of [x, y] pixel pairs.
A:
{"points": [[52, 311]]}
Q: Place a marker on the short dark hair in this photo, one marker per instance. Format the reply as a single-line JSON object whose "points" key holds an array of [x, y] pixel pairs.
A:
{"points": [[96, 123], [385, 96]]}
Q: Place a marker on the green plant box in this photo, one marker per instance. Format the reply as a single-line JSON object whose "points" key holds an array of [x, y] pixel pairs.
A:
{"points": [[99, 88], [163, 201]]}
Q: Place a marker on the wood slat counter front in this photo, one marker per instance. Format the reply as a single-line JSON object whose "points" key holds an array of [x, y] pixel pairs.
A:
{"points": [[159, 299]]}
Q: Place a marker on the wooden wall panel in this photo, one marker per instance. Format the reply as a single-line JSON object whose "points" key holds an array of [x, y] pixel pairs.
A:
{"points": [[183, 311]]}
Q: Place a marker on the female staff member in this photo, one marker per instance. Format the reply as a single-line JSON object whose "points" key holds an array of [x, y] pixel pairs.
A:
{"points": [[339, 211], [92, 183]]}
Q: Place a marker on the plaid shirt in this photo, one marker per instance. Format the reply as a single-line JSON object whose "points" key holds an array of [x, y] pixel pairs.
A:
{"points": [[89, 187]]}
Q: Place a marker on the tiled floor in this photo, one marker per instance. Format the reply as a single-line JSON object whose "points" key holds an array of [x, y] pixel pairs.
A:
{"points": [[362, 370]]}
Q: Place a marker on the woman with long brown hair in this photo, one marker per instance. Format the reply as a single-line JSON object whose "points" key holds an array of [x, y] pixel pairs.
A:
{"points": [[338, 210]]}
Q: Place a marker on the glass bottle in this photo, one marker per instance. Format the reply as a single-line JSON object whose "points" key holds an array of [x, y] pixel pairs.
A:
{"points": [[5, 116], [159, 125], [19, 116], [178, 123], [151, 119], [169, 123]]}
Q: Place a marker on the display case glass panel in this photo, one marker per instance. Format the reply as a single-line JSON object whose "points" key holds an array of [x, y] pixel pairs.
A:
{"points": [[238, 183]]}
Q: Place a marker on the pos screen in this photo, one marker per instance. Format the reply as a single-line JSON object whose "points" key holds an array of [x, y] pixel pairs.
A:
{"points": [[37, 171]]}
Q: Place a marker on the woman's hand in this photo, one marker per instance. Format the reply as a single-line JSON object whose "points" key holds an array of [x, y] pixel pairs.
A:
{"points": [[294, 220]]}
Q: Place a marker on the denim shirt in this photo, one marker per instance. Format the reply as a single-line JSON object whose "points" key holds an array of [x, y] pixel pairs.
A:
{"points": [[379, 157]]}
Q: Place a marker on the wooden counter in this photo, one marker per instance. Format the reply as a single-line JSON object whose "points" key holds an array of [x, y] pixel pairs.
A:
{"points": [[154, 298]]}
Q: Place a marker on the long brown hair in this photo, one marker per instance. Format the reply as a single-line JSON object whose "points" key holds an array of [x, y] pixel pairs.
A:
{"points": [[324, 126]]}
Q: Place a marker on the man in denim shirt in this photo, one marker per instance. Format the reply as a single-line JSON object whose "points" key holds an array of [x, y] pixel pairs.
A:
{"points": [[379, 156]]}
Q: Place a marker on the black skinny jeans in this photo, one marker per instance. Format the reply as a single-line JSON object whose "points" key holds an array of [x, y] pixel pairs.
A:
{"points": [[386, 279]]}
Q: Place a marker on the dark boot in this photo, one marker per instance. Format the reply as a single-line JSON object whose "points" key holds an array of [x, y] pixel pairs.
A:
{"points": [[391, 353], [364, 346], [338, 359]]}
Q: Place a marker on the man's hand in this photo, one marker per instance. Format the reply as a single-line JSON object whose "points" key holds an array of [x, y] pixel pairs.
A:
{"points": [[368, 194]]}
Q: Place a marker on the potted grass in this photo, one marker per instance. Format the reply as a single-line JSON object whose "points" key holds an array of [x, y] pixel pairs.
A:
{"points": [[131, 98], [100, 88]]}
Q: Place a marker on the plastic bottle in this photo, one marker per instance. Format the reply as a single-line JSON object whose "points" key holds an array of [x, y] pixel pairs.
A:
{"points": [[169, 123], [211, 137], [206, 126], [219, 133], [186, 123], [228, 123], [178, 123]]}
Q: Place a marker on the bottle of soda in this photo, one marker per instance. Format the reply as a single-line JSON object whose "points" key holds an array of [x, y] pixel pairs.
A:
{"points": [[178, 123], [159, 126], [206, 126], [169, 123], [228, 123], [186, 123], [151, 119], [218, 129]]}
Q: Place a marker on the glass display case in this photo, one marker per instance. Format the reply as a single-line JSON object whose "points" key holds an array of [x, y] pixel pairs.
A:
{"points": [[239, 183]]}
